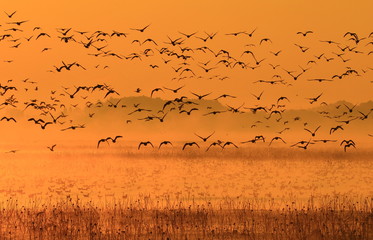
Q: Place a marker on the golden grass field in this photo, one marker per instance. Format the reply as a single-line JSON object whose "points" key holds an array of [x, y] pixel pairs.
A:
{"points": [[248, 193]]}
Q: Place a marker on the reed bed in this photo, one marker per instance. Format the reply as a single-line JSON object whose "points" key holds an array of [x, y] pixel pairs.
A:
{"points": [[146, 218]]}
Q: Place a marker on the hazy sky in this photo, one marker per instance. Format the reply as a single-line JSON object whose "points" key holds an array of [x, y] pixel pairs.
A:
{"points": [[278, 21]]}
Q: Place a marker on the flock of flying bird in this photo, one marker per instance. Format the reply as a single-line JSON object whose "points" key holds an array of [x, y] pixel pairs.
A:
{"points": [[176, 54]]}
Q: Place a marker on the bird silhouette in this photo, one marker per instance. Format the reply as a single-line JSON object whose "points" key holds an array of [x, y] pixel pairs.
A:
{"points": [[101, 141], [44, 125], [276, 138], [51, 148], [11, 14], [174, 90], [8, 119], [190, 144], [145, 144], [314, 99], [306, 145], [190, 111], [188, 35], [164, 143], [333, 129], [312, 132], [214, 144], [205, 138], [155, 90], [347, 144], [305, 33], [114, 140], [228, 144], [140, 29], [200, 96], [259, 96]]}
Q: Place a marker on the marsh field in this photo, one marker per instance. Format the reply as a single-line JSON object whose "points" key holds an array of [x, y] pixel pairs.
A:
{"points": [[248, 193]]}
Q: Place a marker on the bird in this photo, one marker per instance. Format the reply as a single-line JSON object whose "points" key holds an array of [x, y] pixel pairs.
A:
{"points": [[188, 35], [347, 142], [114, 140], [145, 144], [348, 121], [305, 33], [73, 127], [320, 80], [306, 145], [51, 148], [190, 144], [259, 96], [333, 129], [350, 109], [155, 90], [225, 96], [36, 121], [164, 143], [265, 40], [11, 14], [251, 33], [44, 125], [282, 98], [189, 112], [174, 90], [214, 144], [101, 141], [200, 96], [8, 119], [205, 138], [276, 138], [140, 29], [276, 53], [228, 144], [300, 142], [348, 145], [314, 99], [312, 132]]}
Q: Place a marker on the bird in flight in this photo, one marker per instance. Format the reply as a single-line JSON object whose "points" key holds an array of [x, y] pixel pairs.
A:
{"points": [[114, 140], [333, 129], [164, 143], [155, 90], [101, 141], [276, 138], [314, 99], [188, 35], [200, 96], [259, 96], [51, 148], [218, 143], [205, 138], [190, 144], [347, 144], [11, 14], [145, 144], [305, 33], [312, 132], [228, 144], [174, 90], [8, 119], [140, 29]]}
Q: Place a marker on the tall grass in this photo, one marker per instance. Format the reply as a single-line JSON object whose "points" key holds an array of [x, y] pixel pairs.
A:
{"points": [[146, 218]]}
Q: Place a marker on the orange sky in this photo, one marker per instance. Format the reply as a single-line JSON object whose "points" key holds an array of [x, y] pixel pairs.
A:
{"points": [[277, 20]]}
